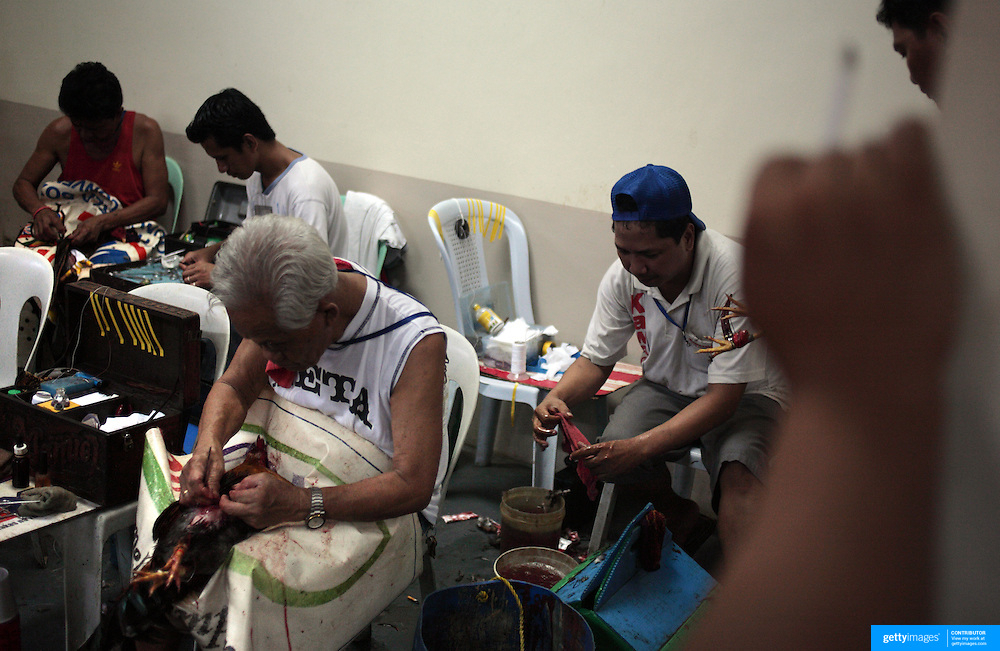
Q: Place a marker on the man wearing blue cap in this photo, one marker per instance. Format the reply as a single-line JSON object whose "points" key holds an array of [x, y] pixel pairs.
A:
{"points": [[671, 271]]}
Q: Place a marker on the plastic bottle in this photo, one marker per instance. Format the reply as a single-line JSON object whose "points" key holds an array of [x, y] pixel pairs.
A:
{"points": [[487, 318], [60, 401], [518, 353], [19, 469]]}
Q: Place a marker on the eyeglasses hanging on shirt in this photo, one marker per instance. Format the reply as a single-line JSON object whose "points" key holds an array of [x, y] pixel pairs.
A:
{"points": [[689, 339]]}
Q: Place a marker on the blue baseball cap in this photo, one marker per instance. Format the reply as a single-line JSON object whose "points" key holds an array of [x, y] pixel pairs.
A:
{"points": [[657, 193]]}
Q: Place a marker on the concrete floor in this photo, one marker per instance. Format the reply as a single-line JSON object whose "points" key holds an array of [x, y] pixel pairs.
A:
{"points": [[464, 552], [464, 555]]}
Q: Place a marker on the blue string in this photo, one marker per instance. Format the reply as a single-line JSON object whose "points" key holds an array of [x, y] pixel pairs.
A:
{"points": [[683, 326]]}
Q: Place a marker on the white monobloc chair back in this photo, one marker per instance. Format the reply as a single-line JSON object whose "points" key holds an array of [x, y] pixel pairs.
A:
{"points": [[464, 257], [175, 177], [462, 378], [463, 375], [24, 274], [214, 318], [461, 227]]}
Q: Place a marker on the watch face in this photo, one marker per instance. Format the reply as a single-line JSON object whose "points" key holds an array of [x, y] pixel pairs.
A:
{"points": [[315, 521]]}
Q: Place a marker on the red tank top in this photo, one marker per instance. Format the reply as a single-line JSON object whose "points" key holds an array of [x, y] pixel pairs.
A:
{"points": [[116, 174]]}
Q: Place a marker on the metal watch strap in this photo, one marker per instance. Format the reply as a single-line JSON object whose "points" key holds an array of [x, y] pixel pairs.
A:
{"points": [[316, 510]]}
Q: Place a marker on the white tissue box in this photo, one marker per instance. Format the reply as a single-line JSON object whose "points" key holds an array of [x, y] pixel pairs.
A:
{"points": [[500, 350]]}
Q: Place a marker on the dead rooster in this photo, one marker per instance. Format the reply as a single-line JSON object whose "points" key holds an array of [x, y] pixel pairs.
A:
{"points": [[191, 543]]}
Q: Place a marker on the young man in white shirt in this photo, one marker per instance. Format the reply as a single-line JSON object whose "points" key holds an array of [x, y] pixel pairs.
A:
{"points": [[234, 132]]}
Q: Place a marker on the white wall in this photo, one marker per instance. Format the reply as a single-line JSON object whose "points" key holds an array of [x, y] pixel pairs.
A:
{"points": [[551, 101]]}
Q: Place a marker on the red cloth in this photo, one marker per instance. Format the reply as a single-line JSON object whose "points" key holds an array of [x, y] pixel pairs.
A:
{"points": [[622, 376], [117, 174], [652, 531], [281, 376], [573, 439]]}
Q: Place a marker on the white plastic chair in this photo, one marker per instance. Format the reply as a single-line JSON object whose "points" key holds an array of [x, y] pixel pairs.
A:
{"points": [[83, 540], [465, 263], [462, 373], [214, 318], [175, 177], [463, 376], [24, 274], [682, 482]]}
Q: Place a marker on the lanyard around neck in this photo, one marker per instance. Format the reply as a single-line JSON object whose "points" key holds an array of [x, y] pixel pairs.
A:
{"points": [[340, 345], [681, 326]]}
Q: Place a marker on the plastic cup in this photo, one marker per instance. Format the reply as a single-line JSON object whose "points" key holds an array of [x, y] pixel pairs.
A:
{"points": [[10, 620], [528, 518]]}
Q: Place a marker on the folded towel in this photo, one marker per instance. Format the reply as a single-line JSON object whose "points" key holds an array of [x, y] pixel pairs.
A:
{"points": [[51, 499]]}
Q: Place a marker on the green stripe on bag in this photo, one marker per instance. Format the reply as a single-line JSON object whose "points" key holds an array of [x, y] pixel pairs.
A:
{"points": [[273, 588], [156, 481], [293, 452]]}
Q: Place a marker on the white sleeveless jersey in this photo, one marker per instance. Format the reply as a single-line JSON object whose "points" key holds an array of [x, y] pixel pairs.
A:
{"points": [[354, 379]]}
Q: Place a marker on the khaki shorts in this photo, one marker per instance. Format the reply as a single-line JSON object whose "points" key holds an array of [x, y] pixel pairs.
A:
{"points": [[744, 438]]}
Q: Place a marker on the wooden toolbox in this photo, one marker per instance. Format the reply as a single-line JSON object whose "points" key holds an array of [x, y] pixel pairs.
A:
{"points": [[148, 354]]}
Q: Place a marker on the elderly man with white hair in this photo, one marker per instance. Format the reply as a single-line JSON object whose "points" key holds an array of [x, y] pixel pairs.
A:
{"points": [[325, 335]]}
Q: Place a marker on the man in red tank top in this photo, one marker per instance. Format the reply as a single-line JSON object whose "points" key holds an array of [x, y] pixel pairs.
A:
{"points": [[96, 140]]}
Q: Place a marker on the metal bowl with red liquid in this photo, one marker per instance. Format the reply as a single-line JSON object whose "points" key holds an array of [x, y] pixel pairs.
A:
{"points": [[539, 566]]}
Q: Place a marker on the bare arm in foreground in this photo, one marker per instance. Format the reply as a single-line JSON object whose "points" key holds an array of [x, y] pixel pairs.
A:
{"points": [[848, 245]]}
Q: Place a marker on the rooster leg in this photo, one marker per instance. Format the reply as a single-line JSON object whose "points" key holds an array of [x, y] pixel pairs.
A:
{"points": [[173, 566], [171, 572], [155, 579], [722, 346], [732, 309]]}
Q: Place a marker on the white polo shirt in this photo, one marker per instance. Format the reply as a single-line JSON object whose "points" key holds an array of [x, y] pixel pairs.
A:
{"points": [[669, 346]]}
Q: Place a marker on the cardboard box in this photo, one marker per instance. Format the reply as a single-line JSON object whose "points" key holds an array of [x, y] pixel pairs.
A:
{"points": [[148, 354]]}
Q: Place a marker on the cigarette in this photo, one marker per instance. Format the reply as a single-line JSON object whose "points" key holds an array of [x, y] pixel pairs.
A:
{"points": [[841, 95]]}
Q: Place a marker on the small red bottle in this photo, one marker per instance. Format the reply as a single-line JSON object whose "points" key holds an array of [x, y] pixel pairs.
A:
{"points": [[42, 477]]}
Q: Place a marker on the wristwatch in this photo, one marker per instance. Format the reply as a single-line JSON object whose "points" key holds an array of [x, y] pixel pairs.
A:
{"points": [[317, 514]]}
